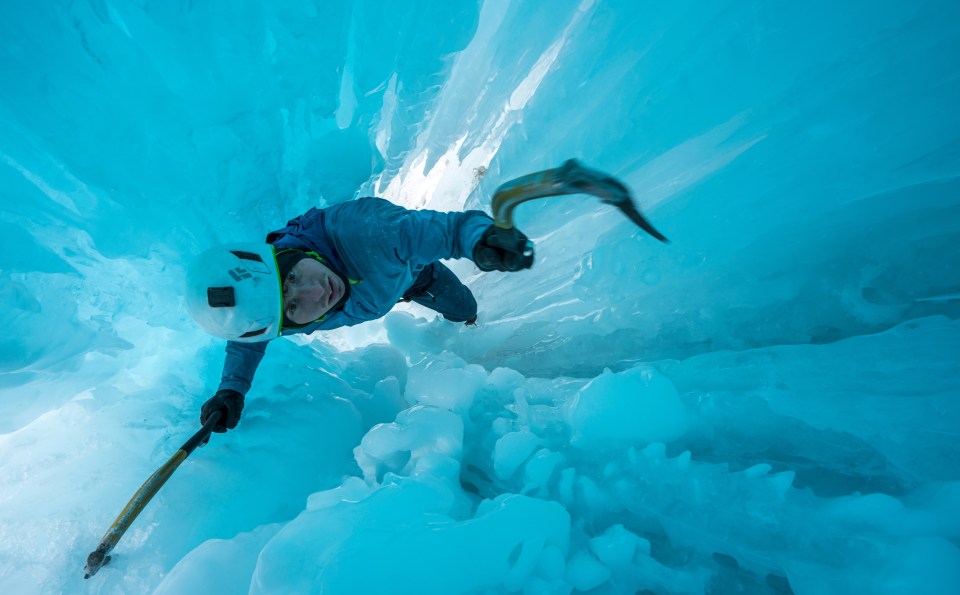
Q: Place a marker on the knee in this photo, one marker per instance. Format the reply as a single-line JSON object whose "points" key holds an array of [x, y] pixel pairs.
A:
{"points": [[466, 307]]}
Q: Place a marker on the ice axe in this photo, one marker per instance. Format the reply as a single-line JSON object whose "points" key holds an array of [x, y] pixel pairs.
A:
{"points": [[100, 556], [569, 178]]}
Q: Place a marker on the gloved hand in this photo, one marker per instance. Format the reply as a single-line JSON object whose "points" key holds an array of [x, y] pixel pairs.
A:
{"points": [[229, 403], [505, 250]]}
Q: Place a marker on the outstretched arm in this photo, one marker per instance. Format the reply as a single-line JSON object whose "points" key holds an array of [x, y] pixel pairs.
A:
{"points": [[425, 236], [239, 367], [241, 364]]}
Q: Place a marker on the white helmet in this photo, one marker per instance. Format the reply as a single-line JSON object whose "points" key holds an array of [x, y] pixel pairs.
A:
{"points": [[234, 292]]}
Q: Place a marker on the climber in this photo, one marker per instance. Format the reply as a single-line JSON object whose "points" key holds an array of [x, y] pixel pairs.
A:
{"points": [[334, 267]]}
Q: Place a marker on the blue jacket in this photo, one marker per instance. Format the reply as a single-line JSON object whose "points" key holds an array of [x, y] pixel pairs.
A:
{"points": [[379, 246]]}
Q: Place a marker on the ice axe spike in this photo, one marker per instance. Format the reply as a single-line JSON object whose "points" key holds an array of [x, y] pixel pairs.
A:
{"points": [[100, 556], [569, 178]]}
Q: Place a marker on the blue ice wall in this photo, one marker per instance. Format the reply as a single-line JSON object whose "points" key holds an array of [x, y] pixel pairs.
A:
{"points": [[802, 157]]}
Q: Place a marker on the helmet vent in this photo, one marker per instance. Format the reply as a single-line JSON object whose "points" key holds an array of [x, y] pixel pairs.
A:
{"points": [[253, 333], [246, 255], [221, 297]]}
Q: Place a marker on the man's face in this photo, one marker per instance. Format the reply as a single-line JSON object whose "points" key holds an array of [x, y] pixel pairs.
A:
{"points": [[310, 290]]}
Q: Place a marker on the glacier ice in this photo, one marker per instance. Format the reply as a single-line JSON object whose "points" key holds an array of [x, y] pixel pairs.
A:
{"points": [[768, 404]]}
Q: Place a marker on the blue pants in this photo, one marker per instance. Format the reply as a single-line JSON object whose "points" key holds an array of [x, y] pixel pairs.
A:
{"points": [[440, 290]]}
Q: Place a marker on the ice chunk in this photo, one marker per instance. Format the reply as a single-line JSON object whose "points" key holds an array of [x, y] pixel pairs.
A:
{"points": [[353, 489], [416, 336], [506, 379], [757, 470], [584, 572], [541, 468], [450, 385], [552, 563], [415, 545], [617, 546], [418, 431], [218, 565], [638, 406], [511, 450], [592, 495]]}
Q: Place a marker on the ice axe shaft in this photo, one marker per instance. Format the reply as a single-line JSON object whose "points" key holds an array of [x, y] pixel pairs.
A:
{"points": [[569, 178], [100, 556]]}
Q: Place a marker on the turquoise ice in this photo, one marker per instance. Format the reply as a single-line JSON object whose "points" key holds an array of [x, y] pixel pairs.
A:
{"points": [[770, 403]]}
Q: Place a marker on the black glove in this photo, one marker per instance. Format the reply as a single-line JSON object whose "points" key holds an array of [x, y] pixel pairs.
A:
{"points": [[505, 250], [229, 403]]}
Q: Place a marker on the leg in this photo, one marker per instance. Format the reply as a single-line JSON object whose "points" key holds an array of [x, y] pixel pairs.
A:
{"points": [[439, 289]]}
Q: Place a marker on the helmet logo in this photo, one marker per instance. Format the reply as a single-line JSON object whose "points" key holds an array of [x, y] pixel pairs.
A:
{"points": [[239, 274]]}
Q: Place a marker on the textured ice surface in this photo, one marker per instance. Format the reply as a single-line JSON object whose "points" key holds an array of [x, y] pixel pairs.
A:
{"points": [[768, 404]]}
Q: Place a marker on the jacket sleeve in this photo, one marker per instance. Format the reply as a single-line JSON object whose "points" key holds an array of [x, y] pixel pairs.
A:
{"points": [[241, 364], [425, 236]]}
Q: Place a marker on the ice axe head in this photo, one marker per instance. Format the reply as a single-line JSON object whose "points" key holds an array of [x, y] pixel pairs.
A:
{"points": [[569, 178]]}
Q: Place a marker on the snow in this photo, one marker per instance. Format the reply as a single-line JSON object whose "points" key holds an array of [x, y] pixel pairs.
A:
{"points": [[767, 404]]}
